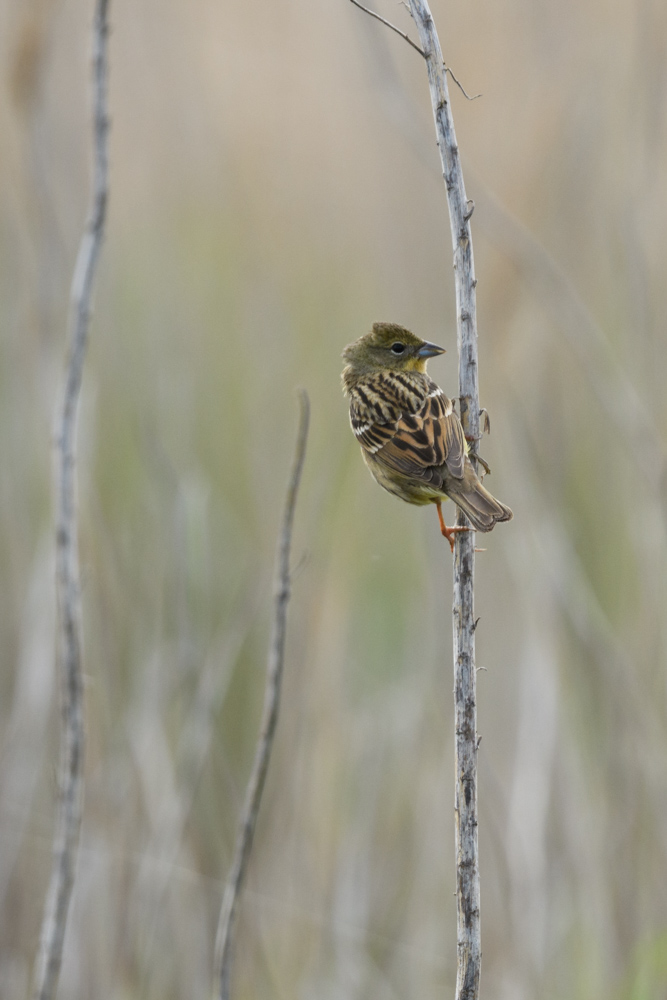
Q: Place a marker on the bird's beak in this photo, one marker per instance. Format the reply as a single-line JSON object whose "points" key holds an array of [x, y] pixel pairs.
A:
{"points": [[430, 350]]}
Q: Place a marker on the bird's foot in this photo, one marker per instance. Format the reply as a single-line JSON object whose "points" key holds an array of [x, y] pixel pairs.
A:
{"points": [[478, 458], [485, 419], [449, 533]]}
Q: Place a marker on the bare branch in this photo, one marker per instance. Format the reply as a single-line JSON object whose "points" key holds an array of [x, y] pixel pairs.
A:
{"points": [[66, 839], [225, 937], [469, 952], [390, 25]]}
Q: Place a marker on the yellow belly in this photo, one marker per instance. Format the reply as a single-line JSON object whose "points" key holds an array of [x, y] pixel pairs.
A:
{"points": [[408, 488]]}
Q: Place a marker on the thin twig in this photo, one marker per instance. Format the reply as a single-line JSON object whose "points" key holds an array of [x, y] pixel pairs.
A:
{"points": [[225, 937], [66, 839], [421, 52], [460, 85], [465, 675], [392, 26]]}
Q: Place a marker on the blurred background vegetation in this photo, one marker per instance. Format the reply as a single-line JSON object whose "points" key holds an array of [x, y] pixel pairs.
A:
{"points": [[275, 188]]}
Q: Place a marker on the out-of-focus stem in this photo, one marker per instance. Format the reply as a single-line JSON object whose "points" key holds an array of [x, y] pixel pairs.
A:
{"points": [[274, 673], [66, 839]]}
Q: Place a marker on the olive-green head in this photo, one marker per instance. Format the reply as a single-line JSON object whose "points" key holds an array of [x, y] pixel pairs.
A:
{"points": [[388, 345]]}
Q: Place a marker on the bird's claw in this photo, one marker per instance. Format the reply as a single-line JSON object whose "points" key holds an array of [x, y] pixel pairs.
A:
{"points": [[478, 458], [450, 532]]}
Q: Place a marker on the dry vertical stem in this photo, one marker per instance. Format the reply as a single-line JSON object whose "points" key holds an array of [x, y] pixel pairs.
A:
{"points": [[469, 953], [66, 839], [225, 937]]}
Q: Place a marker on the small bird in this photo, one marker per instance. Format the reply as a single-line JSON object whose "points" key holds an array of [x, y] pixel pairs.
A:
{"points": [[411, 439]]}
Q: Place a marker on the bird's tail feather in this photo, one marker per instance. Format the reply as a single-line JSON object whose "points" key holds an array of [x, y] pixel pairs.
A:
{"points": [[482, 509]]}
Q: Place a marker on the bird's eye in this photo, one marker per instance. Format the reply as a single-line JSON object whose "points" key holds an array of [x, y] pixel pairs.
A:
{"points": [[397, 348]]}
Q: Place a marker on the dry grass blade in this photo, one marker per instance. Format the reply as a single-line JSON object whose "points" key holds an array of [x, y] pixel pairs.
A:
{"points": [[225, 936], [66, 839]]}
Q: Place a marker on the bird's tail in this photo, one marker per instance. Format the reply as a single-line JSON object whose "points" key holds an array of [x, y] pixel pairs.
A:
{"points": [[482, 509]]}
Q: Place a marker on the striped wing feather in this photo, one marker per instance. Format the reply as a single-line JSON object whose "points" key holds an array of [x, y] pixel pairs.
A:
{"points": [[409, 424]]}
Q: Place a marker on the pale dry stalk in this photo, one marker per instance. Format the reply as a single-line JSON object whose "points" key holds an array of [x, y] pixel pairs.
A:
{"points": [[68, 825], [274, 673], [469, 951]]}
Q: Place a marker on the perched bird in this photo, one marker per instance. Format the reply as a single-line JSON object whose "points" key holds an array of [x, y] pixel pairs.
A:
{"points": [[411, 439]]}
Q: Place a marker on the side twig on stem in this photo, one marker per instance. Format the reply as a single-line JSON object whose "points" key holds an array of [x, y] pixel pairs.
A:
{"points": [[407, 38], [393, 27], [458, 83], [66, 839], [225, 936]]}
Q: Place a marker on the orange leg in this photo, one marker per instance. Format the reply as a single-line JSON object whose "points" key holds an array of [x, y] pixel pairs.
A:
{"points": [[449, 532]]}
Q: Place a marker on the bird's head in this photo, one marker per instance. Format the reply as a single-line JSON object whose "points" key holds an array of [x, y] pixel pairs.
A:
{"points": [[388, 346]]}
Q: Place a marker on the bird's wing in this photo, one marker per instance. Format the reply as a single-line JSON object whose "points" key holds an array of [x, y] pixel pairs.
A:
{"points": [[416, 436], [378, 402], [426, 441]]}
